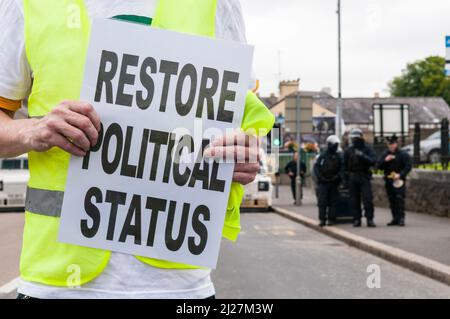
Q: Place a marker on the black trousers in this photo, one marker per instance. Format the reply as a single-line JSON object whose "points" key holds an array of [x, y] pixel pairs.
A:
{"points": [[293, 186], [361, 190], [327, 201], [396, 200]]}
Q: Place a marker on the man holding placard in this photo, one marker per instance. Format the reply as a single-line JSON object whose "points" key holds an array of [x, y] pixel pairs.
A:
{"points": [[135, 190]]}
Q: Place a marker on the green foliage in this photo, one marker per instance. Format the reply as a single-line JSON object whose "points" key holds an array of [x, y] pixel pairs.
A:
{"points": [[433, 167], [423, 78]]}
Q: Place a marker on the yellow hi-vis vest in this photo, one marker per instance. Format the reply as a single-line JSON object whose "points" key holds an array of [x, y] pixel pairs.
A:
{"points": [[57, 36]]}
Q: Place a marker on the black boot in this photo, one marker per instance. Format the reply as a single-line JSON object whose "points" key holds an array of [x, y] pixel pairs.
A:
{"points": [[357, 223], [370, 223], [401, 222], [322, 223], [393, 223]]}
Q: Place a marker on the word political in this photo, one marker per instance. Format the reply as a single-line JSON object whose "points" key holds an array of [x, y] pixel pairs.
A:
{"points": [[201, 87], [117, 142]]}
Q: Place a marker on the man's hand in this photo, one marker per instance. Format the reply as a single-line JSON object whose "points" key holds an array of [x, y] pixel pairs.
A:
{"points": [[239, 148], [72, 126], [389, 158], [245, 173]]}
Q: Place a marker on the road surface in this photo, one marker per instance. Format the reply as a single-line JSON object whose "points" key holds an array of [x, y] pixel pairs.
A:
{"points": [[277, 258]]}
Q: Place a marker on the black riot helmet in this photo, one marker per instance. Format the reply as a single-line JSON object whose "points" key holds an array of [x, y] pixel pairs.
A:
{"points": [[333, 144], [356, 137]]}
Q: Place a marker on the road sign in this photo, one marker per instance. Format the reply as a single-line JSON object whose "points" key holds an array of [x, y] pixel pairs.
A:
{"points": [[390, 119], [447, 56]]}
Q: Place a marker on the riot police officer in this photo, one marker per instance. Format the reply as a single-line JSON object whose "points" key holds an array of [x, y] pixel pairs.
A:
{"points": [[329, 170], [358, 161], [396, 165]]}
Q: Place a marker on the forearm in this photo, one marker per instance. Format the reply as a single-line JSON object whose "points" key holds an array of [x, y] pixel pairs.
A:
{"points": [[12, 140], [407, 168], [72, 126], [381, 163], [369, 159]]}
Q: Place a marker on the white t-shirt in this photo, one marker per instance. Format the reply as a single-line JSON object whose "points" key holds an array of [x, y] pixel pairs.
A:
{"points": [[125, 276]]}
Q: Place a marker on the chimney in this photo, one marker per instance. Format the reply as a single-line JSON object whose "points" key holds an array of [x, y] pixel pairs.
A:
{"points": [[326, 90], [289, 87]]}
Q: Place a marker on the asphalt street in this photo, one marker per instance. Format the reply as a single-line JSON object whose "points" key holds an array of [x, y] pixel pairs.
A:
{"points": [[276, 258], [11, 230]]}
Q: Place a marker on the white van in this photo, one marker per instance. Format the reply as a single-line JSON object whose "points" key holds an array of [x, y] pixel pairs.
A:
{"points": [[14, 177], [258, 194]]}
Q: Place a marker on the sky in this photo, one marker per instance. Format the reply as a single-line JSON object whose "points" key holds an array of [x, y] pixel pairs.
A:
{"points": [[379, 37]]}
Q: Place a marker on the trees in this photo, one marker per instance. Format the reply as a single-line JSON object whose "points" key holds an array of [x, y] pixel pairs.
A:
{"points": [[422, 78]]}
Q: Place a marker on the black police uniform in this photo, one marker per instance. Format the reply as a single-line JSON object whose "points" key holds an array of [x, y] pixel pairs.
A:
{"points": [[291, 167], [401, 164], [329, 171], [358, 161]]}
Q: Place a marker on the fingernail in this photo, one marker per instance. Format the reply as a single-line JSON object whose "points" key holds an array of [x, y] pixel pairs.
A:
{"points": [[207, 153]]}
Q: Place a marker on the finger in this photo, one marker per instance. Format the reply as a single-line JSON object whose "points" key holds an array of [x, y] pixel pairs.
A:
{"points": [[83, 123], [60, 141], [233, 154], [87, 110], [246, 168], [75, 135], [236, 138], [243, 178]]}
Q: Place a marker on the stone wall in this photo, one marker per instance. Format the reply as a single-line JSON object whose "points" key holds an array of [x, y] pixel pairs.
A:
{"points": [[427, 192]]}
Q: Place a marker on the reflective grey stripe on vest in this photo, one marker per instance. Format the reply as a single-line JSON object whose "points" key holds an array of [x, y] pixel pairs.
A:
{"points": [[44, 202]]}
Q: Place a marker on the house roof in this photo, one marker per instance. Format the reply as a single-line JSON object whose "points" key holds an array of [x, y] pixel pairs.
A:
{"points": [[269, 101], [273, 100], [425, 110]]}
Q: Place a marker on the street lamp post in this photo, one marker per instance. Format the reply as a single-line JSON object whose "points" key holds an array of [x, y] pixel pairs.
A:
{"points": [[298, 179], [339, 102]]}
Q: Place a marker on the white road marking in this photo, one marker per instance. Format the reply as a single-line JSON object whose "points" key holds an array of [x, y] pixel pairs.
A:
{"points": [[10, 286]]}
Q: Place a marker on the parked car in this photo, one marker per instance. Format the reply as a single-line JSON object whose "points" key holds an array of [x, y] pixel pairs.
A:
{"points": [[430, 149], [14, 177], [258, 194]]}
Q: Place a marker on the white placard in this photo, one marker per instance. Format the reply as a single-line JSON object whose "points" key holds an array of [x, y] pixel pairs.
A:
{"points": [[132, 193]]}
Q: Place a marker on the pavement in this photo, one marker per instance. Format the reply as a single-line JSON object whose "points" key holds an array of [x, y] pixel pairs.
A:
{"points": [[425, 236]]}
